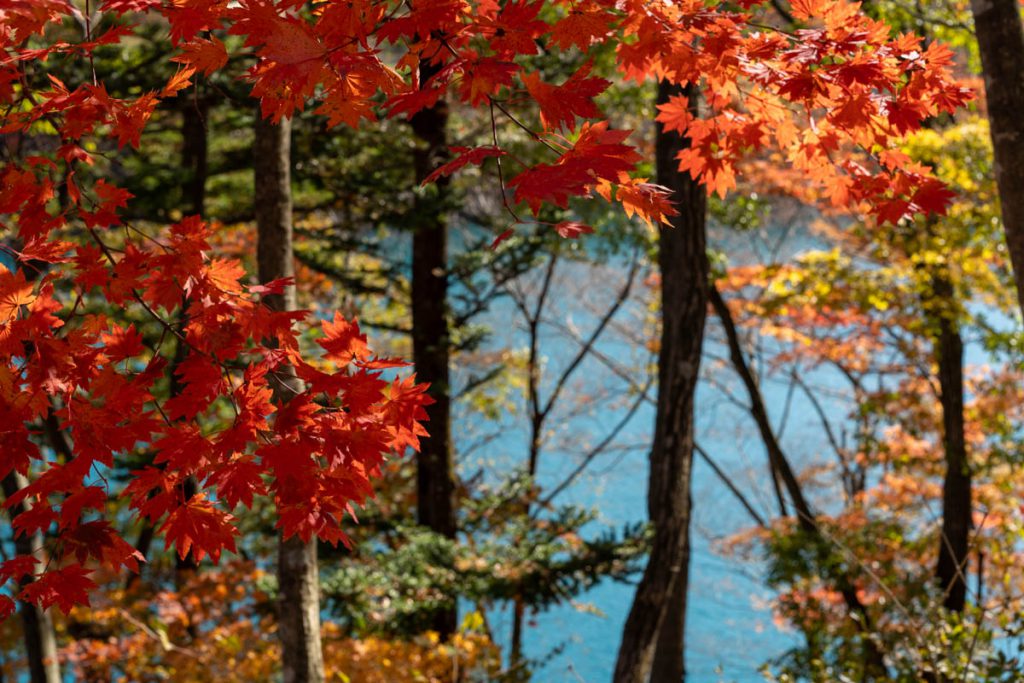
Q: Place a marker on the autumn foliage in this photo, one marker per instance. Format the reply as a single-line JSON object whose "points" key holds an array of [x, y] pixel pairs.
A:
{"points": [[135, 632], [831, 100]]}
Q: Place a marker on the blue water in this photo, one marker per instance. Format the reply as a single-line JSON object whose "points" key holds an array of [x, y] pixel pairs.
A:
{"points": [[730, 631]]}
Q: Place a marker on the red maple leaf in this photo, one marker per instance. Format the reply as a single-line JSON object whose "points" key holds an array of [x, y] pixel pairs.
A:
{"points": [[65, 587], [205, 56], [464, 156], [199, 527], [342, 340], [561, 104]]}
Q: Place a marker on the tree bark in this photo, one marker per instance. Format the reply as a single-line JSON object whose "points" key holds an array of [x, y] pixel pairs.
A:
{"points": [[653, 639], [954, 544], [998, 28], [194, 158], [297, 575], [37, 626], [195, 151], [873, 657], [435, 476]]}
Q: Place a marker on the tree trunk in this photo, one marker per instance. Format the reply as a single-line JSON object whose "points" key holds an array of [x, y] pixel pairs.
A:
{"points": [[435, 477], [297, 576], [1000, 35], [37, 626], [298, 581], [652, 642], [670, 653], [194, 155], [873, 657], [956, 489], [40, 640], [194, 152]]}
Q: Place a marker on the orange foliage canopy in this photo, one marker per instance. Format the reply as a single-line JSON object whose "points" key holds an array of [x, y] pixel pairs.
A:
{"points": [[832, 99], [133, 633]]}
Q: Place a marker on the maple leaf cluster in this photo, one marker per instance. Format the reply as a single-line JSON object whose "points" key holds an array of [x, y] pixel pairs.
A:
{"points": [[97, 382], [833, 99], [315, 454]]}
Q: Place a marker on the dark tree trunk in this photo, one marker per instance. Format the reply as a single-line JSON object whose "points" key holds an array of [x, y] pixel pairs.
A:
{"points": [[40, 639], [670, 653], [37, 626], [193, 158], [956, 490], [435, 477], [997, 25], [297, 575], [874, 659], [194, 153], [652, 642]]}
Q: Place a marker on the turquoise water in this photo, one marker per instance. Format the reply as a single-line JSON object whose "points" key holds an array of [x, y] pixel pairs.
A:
{"points": [[730, 631]]}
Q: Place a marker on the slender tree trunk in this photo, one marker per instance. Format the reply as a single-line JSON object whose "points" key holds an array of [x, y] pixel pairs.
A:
{"points": [[297, 576], [538, 414], [195, 151], [194, 158], [652, 642], [40, 639], [873, 657], [37, 626], [956, 490], [997, 25], [298, 582], [435, 476]]}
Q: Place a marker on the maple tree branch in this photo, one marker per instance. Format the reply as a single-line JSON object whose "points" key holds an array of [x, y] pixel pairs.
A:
{"points": [[501, 173], [806, 518], [529, 131], [585, 349], [533, 380], [786, 410], [107, 252], [161, 638], [783, 13], [169, 328], [88, 38], [600, 447], [706, 457], [129, 227], [644, 393], [779, 464], [798, 380], [496, 103]]}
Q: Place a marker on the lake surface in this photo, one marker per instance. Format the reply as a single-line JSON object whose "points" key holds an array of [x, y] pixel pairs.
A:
{"points": [[730, 631]]}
